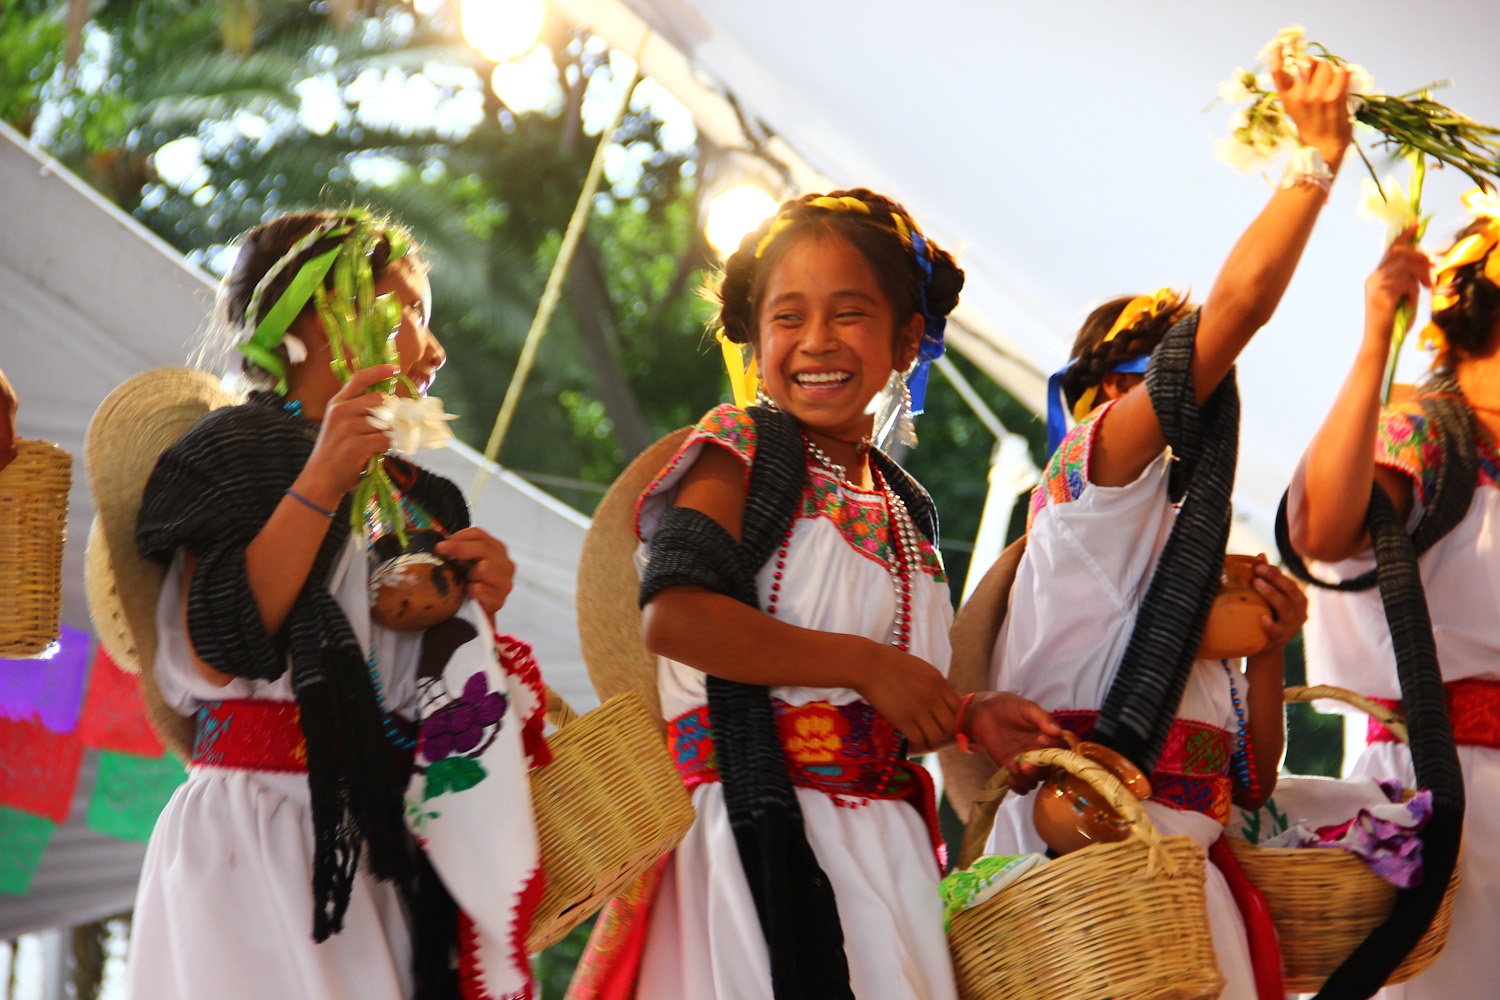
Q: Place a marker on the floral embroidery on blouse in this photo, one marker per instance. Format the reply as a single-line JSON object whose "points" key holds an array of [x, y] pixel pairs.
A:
{"points": [[861, 518], [1068, 469], [1410, 443]]}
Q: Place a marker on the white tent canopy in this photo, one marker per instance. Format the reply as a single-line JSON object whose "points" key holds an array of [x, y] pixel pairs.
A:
{"points": [[1063, 150], [93, 298]]}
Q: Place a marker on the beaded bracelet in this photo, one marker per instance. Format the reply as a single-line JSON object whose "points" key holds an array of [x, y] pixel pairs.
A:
{"points": [[308, 503], [965, 745]]}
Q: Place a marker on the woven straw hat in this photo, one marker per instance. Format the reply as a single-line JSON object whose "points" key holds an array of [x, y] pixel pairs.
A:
{"points": [[609, 620], [143, 417]]}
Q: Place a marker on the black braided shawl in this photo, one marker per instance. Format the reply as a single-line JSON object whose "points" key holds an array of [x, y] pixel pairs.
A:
{"points": [[1434, 755], [794, 900], [212, 492], [1147, 689]]}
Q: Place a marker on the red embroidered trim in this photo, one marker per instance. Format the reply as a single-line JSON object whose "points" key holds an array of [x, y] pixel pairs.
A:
{"points": [[726, 426], [1191, 773], [1473, 711], [518, 660], [250, 735]]}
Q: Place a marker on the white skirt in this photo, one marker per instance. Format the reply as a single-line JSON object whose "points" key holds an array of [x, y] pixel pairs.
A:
{"points": [[224, 910], [705, 940]]}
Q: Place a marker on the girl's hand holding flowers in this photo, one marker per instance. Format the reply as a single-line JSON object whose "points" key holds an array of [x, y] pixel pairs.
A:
{"points": [[347, 440], [1316, 99]]}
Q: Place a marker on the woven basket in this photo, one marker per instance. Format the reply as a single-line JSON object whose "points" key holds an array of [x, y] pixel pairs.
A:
{"points": [[1111, 920], [607, 808], [33, 521], [1325, 902]]}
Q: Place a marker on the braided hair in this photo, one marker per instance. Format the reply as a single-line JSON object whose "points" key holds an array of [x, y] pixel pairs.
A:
{"points": [[1096, 357], [1469, 324], [876, 232]]}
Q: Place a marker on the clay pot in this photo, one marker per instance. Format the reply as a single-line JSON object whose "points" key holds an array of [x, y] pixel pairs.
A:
{"points": [[1070, 814], [1233, 629], [414, 588]]}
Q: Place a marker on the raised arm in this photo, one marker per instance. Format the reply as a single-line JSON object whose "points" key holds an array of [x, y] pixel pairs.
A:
{"points": [[1331, 487], [1253, 278]]}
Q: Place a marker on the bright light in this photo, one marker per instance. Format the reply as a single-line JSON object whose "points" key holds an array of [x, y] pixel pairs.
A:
{"points": [[734, 212], [502, 29]]}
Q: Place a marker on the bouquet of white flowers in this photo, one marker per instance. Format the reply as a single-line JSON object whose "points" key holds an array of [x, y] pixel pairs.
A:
{"points": [[1405, 124]]}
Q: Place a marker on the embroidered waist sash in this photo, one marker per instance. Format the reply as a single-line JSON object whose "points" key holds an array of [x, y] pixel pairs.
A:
{"points": [[1192, 772], [1473, 709], [849, 752], [252, 734]]}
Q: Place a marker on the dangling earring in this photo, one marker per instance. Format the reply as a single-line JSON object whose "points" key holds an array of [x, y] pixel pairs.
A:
{"points": [[906, 428], [763, 398]]}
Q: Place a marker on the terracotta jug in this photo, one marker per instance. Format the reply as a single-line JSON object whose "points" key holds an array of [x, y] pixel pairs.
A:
{"points": [[1233, 629], [1070, 814]]}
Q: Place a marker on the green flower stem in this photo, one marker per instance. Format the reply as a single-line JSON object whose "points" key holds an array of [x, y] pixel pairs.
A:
{"points": [[1406, 312]]}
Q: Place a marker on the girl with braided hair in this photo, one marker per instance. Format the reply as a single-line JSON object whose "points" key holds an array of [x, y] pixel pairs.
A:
{"points": [[794, 594], [284, 866], [1117, 577], [1434, 456]]}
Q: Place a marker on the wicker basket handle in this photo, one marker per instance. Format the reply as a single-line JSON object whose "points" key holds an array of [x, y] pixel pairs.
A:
{"points": [[1393, 721], [1097, 777], [559, 712]]}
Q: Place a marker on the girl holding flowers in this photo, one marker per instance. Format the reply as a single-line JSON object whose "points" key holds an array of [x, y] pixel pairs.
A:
{"points": [[285, 865], [1434, 457], [794, 595], [1113, 590]]}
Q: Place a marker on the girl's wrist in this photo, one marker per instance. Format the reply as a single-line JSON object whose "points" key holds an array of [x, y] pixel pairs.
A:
{"points": [[314, 490]]}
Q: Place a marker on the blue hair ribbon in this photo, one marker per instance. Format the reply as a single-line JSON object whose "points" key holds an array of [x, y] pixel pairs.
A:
{"points": [[1057, 407]]}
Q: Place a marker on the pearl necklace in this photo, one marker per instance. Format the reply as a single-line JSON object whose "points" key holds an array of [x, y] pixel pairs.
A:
{"points": [[904, 541]]}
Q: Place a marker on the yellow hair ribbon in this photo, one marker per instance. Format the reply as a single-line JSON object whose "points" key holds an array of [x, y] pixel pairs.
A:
{"points": [[848, 203], [1085, 402], [742, 376], [1139, 308], [1432, 339], [901, 227]]}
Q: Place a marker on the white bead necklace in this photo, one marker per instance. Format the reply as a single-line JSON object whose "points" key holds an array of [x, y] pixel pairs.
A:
{"points": [[904, 541]]}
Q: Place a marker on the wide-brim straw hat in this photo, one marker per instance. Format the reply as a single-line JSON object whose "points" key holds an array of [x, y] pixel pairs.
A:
{"points": [[609, 618], [138, 421]]}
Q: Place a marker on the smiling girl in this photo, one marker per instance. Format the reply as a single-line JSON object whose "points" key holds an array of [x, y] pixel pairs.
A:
{"points": [[794, 595]]}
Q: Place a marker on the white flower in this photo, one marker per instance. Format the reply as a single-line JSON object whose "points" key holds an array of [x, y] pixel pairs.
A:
{"points": [[413, 424], [1240, 155], [1361, 82], [1292, 41], [296, 350], [1387, 202], [1236, 89]]}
